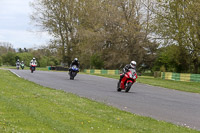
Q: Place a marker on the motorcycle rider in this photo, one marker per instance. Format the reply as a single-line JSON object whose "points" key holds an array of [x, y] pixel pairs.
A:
{"points": [[22, 64], [17, 63], [132, 65], [75, 62], [33, 62]]}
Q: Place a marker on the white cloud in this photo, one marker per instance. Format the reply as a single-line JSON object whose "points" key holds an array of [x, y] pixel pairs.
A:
{"points": [[21, 38], [15, 23], [14, 6]]}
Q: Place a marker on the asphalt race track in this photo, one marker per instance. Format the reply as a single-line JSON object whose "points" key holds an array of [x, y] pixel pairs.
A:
{"points": [[178, 107]]}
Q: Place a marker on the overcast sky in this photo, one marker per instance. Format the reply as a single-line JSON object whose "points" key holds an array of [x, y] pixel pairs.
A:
{"points": [[15, 26]]}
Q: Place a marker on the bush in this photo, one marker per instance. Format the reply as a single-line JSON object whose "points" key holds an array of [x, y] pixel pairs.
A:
{"points": [[43, 62], [26, 57], [51, 63], [96, 61], [9, 59], [47, 61]]}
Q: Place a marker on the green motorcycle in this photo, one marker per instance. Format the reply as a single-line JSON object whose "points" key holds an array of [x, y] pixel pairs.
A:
{"points": [[22, 66]]}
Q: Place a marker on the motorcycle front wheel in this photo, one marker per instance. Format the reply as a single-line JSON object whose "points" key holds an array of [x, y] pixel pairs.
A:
{"points": [[32, 69], [128, 87], [72, 75]]}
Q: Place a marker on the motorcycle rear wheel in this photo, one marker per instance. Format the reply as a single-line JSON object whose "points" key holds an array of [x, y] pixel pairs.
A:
{"points": [[118, 87]]}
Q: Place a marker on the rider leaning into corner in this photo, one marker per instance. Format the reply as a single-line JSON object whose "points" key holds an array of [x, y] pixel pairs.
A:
{"points": [[132, 65], [33, 62], [74, 62]]}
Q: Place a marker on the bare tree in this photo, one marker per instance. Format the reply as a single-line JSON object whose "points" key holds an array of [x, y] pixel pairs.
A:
{"points": [[58, 17]]}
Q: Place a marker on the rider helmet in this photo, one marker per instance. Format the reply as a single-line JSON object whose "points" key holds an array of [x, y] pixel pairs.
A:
{"points": [[17, 60], [75, 59], [133, 64], [33, 58]]}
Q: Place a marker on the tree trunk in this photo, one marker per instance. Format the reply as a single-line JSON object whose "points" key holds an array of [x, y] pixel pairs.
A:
{"points": [[196, 65]]}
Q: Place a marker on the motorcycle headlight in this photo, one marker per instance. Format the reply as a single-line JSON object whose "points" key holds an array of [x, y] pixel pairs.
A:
{"points": [[130, 75]]}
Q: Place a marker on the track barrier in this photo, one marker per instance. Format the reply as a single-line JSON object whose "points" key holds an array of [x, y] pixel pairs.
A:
{"points": [[164, 75], [98, 71], [180, 76]]}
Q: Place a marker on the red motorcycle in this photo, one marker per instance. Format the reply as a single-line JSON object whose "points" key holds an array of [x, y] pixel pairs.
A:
{"points": [[32, 68], [127, 81]]}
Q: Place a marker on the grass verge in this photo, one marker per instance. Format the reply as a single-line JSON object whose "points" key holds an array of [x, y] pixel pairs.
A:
{"points": [[193, 87], [26, 68], [28, 107]]}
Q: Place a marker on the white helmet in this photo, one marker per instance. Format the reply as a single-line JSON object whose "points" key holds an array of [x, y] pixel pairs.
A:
{"points": [[75, 59], [133, 64], [33, 58]]}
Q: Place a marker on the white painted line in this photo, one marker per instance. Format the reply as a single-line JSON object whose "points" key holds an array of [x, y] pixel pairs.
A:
{"points": [[15, 74]]}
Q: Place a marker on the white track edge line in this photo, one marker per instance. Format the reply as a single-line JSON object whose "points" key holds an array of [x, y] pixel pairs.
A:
{"points": [[15, 74]]}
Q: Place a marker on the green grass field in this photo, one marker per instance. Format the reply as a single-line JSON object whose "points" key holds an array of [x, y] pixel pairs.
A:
{"points": [[193, 87], [26, 68], [28, 107]]}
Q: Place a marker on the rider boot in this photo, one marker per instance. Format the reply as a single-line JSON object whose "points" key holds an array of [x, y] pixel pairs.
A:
{"points": [[121, 77]]}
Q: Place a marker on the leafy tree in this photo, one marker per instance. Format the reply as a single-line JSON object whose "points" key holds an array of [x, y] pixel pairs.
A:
{"points": [[168, 57], [177, 22], [113, 29], [20, 50], [43, 61], [53, 61], [58, 17], [47, 61], [26, 57], [150, 55], [25, 50], [96, 61], [9, 59], [6, 47]]}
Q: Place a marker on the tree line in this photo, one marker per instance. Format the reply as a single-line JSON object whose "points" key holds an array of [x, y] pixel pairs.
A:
{"points": [[102, 34], [160, 35], [43, 55]]}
